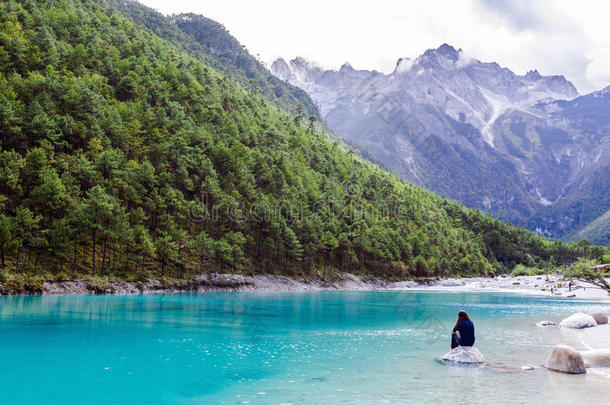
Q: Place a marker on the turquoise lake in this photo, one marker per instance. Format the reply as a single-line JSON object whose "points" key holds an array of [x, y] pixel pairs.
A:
{"points": [[333, 347]]}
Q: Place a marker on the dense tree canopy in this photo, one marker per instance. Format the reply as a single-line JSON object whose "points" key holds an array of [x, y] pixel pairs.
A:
{"points": [[122, 155]]}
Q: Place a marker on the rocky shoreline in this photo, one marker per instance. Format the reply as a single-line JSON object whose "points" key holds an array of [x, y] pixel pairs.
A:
{"points": [[220, 282], [534, 285]]}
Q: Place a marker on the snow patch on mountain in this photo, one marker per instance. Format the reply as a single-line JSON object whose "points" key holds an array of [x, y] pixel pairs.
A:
{"points": [[404, 65], [498, 106]]}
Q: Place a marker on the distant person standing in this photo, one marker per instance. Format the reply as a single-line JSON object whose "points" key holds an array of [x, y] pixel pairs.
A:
{"points": [[463, 331]]}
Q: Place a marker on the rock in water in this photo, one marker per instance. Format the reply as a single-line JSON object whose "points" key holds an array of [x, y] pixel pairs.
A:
{"points": [[545, 323], [464, 355], [596, 358], [578, 321], [600, 318], [567, 359]]}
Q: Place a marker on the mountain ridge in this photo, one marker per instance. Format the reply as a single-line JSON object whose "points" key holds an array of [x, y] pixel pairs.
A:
{"points": [[210, 41], [540, 139]]}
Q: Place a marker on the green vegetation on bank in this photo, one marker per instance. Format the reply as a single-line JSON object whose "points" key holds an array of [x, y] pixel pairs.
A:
{"points": [[123, 156], [584, 270], [598, 230]]}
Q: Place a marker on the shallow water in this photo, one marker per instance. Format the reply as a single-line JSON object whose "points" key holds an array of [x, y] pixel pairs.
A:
{"points": [[278, 348]]}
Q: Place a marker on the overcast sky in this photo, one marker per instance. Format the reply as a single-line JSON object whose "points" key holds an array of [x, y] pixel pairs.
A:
{"points": [[569, 37]]}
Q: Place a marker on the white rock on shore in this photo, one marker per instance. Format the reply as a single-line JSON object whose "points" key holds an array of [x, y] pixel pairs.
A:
{"points": [[596, 340], [600, 318], [527, 368], [578, 321], [599, 358], [545, 323], [566, 359], [464, 355]]}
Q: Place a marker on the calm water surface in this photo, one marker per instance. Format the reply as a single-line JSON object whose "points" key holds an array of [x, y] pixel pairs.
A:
{"points": [[283, 348]]}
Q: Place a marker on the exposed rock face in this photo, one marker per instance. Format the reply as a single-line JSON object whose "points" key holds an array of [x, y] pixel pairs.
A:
{"points": [[600, 318], [545, 323], [465, 355], [84, 287], [209, 282], [567, 359], [221, 282], [596, 358], [578, 321], [523, 147], [282, 70]]}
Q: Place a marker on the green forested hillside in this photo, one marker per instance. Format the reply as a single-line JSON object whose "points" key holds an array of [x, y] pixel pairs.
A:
{"points": [[121, 155], [598, 230], [210, 42]]}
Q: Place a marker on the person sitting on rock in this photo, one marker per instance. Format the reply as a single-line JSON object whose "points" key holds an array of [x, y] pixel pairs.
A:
{"points": [[463, 332]]}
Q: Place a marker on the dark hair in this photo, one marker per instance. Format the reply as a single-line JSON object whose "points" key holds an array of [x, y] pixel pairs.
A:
{"points": [[462, 316]]}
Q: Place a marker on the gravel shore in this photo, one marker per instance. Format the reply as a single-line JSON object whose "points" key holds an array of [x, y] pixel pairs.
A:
{"points": [[552, 285]]}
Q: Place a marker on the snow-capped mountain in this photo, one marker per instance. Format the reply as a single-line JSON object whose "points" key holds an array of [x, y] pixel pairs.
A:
{"points": [[518, 146]]}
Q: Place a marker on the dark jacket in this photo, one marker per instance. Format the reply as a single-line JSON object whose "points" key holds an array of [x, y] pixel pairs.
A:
{"points": [[466, 329]]}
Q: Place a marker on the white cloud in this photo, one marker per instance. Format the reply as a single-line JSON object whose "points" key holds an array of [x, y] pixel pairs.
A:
{"points": [[464, 59], [598, 70], [553, 36]]}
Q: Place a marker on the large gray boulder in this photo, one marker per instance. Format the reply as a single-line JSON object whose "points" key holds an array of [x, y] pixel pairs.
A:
{"points": [[578, 321], [600, 318], [464, 355], [596, 358], [566, 359]]}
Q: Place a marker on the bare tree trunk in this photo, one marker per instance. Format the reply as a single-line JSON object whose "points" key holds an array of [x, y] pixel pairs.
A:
{"points": [[599, 282], [85, 251], [17, 262], [104, 255], [36, 261], [113, 259], [74, 259], [93, 253]]}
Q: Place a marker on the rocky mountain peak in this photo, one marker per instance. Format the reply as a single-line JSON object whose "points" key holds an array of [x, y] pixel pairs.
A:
{"points": [[444, 51], [532, 75], [403, 65], [448, 51], [281, 69], [304, 71], [301, 63], [558, 85], [346, 67]]}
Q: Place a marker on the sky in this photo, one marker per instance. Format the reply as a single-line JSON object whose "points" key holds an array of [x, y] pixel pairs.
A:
{"points": [[568, 37]]}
